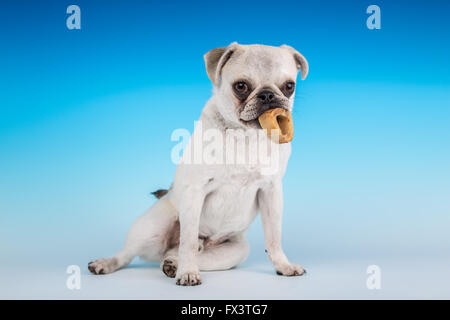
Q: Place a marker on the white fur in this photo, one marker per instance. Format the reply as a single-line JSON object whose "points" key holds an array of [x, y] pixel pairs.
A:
{"points": [[215, 204]]}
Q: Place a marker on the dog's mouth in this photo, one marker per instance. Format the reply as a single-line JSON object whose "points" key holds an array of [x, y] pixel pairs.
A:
{"points": [[251, 123], [250, 119]]}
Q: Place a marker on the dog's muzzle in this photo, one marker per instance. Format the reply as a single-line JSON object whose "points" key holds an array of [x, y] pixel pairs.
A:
{"points": [[263, 101]]}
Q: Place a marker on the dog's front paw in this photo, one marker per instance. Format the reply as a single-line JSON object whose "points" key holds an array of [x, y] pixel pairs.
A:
{"points": [[290, 270], [190, 278]]}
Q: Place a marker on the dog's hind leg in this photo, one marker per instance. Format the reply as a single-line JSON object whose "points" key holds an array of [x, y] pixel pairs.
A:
{"points": [[223, 256], [108, 265], [148, 237]]}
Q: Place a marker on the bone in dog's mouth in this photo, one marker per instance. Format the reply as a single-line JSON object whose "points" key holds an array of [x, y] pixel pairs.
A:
{"points": [[252, 120]]}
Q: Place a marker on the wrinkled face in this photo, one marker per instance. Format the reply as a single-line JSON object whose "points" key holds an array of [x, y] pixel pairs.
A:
{"points": [[255, 79]]}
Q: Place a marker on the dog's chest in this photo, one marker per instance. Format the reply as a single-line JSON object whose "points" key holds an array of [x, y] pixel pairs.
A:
{"points": [[231, 206]]}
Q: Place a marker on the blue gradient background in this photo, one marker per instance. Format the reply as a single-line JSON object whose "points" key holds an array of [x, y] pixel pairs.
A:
{"points": [[86, 117]]}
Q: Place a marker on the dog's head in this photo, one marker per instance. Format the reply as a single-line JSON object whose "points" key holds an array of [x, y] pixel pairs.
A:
{"points": [[251, 79]]}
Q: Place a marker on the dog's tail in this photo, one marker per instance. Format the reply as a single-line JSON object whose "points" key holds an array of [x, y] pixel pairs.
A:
{"points": [[160, 193]]}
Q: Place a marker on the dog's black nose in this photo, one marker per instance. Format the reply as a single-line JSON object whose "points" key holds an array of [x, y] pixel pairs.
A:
{"points": [[266, 96]]}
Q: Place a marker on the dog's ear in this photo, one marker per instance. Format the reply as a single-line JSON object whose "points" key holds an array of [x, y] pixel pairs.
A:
{"points": [[216, 59], [301, 61]]}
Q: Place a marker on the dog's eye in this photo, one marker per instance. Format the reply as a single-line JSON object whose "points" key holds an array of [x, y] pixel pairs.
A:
{"points": [[288, 88], [240, 87]]}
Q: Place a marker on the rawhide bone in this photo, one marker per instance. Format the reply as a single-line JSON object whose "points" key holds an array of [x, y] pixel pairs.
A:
{"points": [[278, 122]]}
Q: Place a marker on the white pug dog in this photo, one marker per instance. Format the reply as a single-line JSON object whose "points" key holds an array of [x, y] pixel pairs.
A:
{"points": [[200, 222]]}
